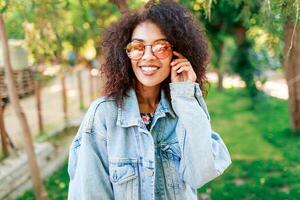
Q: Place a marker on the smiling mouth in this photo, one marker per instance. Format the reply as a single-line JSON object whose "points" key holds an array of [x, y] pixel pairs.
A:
{"points": [[149, 70]]}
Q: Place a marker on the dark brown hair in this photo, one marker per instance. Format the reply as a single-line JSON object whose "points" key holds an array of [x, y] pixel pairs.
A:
{"points": [[181, 30]]}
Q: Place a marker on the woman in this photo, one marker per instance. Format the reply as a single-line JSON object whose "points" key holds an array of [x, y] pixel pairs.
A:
{"points": [[150, 136]]}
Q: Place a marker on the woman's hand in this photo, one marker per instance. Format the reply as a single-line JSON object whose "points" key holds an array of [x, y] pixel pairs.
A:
{"points": [[182, 70]]}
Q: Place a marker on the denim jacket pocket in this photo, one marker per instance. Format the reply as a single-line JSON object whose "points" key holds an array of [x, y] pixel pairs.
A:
{"points": [[123, 176], [122, 173]]}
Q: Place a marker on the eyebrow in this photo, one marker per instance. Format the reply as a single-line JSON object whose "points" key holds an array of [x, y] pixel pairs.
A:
{"points": [[141, 40]]}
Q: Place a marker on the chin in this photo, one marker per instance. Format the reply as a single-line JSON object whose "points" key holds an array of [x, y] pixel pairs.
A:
{"points": [[149, 83]]}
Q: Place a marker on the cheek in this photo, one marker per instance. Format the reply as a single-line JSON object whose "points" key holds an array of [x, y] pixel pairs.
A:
{"points": [[134, 65], [166, 63]]}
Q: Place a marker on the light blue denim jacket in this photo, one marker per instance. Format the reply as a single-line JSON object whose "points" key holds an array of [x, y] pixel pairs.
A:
{"points": [[113, 155]]}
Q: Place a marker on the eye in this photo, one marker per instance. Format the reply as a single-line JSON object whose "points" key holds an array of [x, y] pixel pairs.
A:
{"points": [[161, 46], [136, 46]]}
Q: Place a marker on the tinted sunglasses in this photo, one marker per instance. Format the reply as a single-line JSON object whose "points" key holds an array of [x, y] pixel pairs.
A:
{"points": [[160, 49]]}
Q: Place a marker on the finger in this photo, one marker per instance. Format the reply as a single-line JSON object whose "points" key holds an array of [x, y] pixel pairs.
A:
{"points": [[175, 67], [179, 55], [183, 68], [173, 75], [178, 60]]}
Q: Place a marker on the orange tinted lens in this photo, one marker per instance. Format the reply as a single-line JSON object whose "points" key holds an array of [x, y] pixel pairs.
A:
{"points": [[162, 49], [135, 50]]}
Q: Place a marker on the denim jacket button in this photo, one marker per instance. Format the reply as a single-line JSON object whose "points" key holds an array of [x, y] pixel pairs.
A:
{"points": [[150, 173]]}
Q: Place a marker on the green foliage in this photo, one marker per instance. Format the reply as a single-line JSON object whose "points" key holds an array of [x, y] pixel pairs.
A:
{"points": [[225, 13], [3, 5], [51, 28], [89, 18], [242, 64], [258, 50], [272, 18], [267, 47], [222, 61], [225, 19], [135, 4], [16, 13], [274, 13]]}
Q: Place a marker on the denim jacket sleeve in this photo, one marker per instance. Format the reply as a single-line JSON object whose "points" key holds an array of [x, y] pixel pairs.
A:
{"points": [[88, 162], [204, 155]]}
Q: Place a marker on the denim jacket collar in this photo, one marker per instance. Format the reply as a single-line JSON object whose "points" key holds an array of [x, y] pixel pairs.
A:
{"points": [[129, 114]]}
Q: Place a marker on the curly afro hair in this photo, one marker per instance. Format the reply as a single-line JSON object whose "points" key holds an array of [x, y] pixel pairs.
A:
{"points": [[181, 30]]}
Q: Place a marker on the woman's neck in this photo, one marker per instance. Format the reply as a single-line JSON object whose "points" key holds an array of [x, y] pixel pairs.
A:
{"points": [[148, 97]]}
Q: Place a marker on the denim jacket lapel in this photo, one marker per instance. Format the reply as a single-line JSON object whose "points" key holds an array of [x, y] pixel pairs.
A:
{"points": [[129, 113]]}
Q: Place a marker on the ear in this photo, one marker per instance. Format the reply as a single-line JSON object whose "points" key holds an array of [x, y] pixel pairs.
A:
{"points": [[174, 57]]}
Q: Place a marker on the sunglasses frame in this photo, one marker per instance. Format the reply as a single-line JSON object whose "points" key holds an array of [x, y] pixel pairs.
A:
{"points": [[151, 45]]}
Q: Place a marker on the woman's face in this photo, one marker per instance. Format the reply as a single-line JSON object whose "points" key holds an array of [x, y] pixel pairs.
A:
{"points": [[150, 70]]}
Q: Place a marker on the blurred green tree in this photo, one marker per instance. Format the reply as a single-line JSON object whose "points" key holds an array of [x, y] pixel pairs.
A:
{"points": [[276, 19], [280, 18], [223, 19]]}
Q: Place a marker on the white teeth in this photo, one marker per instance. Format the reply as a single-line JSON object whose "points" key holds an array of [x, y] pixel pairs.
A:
{"points": [[149, 68]]}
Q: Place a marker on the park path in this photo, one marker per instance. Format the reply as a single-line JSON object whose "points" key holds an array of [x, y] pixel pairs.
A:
{"points": [[275, 85], [52, 110]]}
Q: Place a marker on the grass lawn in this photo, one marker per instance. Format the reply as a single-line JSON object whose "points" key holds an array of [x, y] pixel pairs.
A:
{"points": [[265, 154], [56, 186], [266, 161]]}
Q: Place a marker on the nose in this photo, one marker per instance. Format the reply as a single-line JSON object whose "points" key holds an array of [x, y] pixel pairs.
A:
{"points": [[148, 55]]}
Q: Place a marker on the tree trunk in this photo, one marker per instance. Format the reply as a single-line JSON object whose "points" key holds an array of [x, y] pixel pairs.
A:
{"points": [[99, 85], [3, 133], [122, 5], [7, 146], [220, 80], [64, 96], [240, 33], [292, 71], [91, 85], [80, 92], [37, 87], [39, 191], [219, 71]]}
